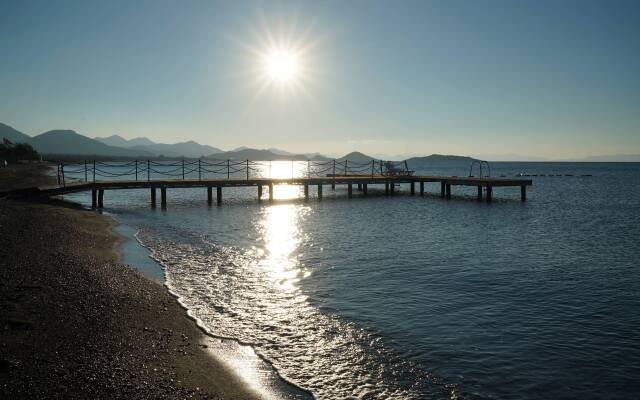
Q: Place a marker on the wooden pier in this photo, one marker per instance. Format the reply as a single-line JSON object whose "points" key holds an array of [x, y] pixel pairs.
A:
{"points": [[484, 186]]}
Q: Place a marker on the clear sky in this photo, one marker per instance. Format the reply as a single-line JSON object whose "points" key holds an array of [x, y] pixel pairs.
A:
{"points": [[555, 79]]}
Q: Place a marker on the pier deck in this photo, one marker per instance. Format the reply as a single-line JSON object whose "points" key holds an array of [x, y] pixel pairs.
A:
{"points": [[484, 185]]}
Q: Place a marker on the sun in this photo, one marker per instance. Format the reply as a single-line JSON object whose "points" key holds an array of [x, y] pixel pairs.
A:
{"points": [[282, 66]]}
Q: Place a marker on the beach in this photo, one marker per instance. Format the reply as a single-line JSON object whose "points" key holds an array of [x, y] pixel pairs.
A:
{"points": [[76, 323]]}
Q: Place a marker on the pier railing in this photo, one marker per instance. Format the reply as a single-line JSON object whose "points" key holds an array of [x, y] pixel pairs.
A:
{"points": [[201, 169]]}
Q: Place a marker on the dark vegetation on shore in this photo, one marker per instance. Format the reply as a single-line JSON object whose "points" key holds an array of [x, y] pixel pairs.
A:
{"points": [[75, 323]]}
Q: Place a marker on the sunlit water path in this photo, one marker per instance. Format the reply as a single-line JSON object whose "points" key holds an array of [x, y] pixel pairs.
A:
{"points": [[411, 297]]}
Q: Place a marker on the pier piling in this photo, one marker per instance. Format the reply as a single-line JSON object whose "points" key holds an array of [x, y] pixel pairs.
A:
{"points": [[306, 192], [489, 193], [448, 190], [523, 193], [209, 195], [364, 189], [259, 192], [270, 191], [319, 192], [153, 197], [100, 198], [421, 188], [413, 188], [163, 197], [94, 198], [218, 195], [349, 190], [442, 189], [479, 193], [386, 189]]}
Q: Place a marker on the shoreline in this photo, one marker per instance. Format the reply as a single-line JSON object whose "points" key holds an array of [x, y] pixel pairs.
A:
{"points": [[78, 323]]}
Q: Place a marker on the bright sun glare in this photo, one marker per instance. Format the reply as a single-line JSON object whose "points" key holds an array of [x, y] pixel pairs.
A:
{"points": [[282, 66]]}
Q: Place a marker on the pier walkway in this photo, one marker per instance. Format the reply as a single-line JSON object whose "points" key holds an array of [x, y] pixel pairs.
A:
{"points": [[98, 177]]}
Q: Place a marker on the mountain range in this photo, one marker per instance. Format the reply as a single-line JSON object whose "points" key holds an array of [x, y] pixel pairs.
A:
{"points": [[68, 144]]}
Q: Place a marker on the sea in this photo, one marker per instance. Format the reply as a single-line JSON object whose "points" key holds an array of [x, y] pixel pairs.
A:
{"points": [[409, 296]]}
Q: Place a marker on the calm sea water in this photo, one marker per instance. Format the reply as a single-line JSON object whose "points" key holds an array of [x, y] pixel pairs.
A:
{"points": [[411, 297]]}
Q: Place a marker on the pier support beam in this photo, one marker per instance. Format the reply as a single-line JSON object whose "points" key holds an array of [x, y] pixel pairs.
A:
{"points": [[94, 198], [523, 193], [364, 189], [259, 192], [209, 195], [153, 197], [319, 192], [163, 197], [479, 193], [413, 188], [349, 190], [306, 191], [442, 189], [489, 193], [386, 189], [218, 195], [421, 188], [100, 198], [448, 188], [270, 191]]}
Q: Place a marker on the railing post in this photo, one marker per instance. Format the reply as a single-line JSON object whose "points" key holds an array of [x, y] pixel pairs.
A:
{"points": [[228, 168], [136, 170], [183, 168], [85, 171], [199, 171], [247, 169]]}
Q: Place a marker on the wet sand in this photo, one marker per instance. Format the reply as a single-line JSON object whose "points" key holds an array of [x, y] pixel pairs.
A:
{"points": [[75, 323]]}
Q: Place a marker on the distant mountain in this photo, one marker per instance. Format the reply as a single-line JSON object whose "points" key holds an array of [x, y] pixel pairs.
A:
{"points": [[12, 134], [183, 149], [439, 160], [69, 142], [612, 158], [357, 157], [263, 155]]}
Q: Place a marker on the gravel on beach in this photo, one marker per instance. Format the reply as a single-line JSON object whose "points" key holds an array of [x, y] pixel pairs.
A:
{"points": [[75, 323]]}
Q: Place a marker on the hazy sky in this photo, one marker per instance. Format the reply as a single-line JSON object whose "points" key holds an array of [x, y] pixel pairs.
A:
{"points": [[545, 78]]}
